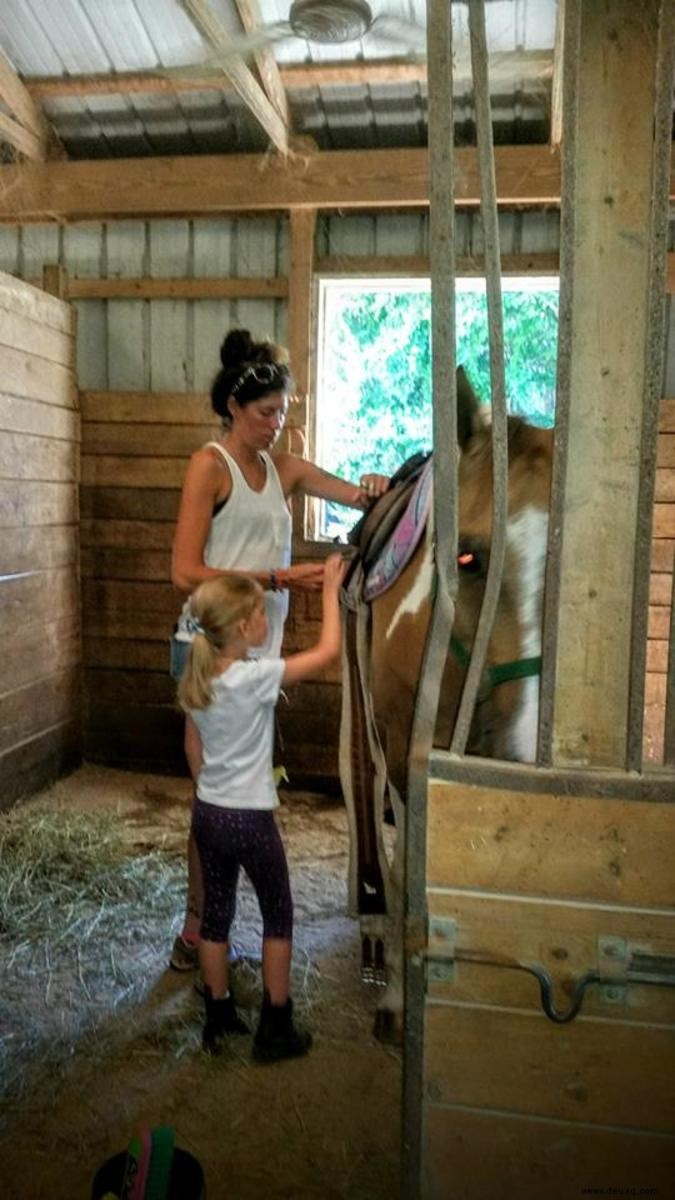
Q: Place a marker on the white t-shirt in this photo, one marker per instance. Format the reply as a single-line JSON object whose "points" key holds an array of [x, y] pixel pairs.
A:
{"points": [[237, 733]]}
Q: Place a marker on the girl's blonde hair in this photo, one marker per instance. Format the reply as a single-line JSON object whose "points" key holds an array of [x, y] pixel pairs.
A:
{"points": [[217, 607]]}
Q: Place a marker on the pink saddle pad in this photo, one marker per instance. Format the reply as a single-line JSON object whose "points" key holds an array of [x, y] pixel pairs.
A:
{"points": [[404, 539]]}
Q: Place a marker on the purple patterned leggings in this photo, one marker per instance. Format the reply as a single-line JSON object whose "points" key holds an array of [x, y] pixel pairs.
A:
{"points": [[230, 838]]}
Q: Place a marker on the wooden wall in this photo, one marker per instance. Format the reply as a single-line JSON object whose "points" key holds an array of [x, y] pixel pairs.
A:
{"points": [[144, 366], [40, 652]]}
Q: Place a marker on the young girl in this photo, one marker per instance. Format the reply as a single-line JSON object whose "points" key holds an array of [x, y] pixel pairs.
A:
{"points": [[231, 700]]}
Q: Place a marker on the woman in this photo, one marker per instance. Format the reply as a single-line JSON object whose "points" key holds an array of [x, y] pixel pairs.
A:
{"points": [[234, 519]]}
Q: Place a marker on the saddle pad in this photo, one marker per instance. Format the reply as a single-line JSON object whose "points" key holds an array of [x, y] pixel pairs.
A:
{"points": [[404, 539]]}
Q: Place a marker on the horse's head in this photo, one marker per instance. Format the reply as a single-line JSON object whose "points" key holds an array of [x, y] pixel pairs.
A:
{"points": [[505, 725]]}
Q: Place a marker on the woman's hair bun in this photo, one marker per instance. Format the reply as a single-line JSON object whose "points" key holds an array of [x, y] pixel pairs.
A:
{"points": [[238, 347]]}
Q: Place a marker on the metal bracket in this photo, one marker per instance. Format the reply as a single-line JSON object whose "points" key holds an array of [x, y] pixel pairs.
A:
{"points": [[439, 956]]}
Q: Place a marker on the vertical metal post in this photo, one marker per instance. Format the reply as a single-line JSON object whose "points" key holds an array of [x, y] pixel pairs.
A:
{"points": [[442, 256]]}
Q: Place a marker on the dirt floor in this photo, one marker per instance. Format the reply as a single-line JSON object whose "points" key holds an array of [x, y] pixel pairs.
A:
{"points": [[96, 1044]]}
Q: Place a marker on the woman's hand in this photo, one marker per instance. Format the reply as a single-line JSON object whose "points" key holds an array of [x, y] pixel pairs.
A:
{"points": [[371, 487], [303, 577]]}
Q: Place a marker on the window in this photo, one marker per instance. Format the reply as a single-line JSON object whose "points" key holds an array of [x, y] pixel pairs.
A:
{"points": [[374, 368]]}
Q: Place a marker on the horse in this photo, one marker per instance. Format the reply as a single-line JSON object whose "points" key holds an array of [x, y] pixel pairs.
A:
{"points": [[385, 634]]}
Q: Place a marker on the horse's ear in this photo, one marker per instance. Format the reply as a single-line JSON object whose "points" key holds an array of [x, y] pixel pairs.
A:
{"points": [[468, 409]]}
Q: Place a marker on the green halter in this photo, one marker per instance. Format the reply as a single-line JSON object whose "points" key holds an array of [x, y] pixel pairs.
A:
{"points": [[520, 669]]}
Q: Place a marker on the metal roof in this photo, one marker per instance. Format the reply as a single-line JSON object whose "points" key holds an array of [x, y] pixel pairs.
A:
{"points": [[64, 38]]}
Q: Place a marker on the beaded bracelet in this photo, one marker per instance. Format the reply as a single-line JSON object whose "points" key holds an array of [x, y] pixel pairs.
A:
{"points": [[274, 582]]}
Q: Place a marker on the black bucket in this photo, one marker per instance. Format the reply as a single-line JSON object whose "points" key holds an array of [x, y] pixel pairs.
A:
{"points": [[186, 1182]]}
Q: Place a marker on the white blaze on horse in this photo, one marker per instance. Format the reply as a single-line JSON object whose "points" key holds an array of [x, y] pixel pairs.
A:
{"points": [[386, 623]]}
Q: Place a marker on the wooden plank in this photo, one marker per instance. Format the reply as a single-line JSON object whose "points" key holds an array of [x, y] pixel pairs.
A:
{"points": [[667, 408], [237, 72], [26, 333], [666, 450], [128, 598], [22, 300], [39, 761], [23, 456], [663, 554], [37, 378], [152, 688], [19, 415], [664, 490], [129, 504], [23, 502], [34, 651], [505, 1155], [169, 441], [664, 520], [20, 103], [418, 265], [134, 735], [263, 57], [128, 654], [573, 847], [38, 706], [113, 563], [15, 135], [563, 939], [129, 535], [38, 548], [657, 656], [165, 408], [177, 289], [660, 589], [505, 67], [219, 184], [103, 470], [602, 1072], [38, 597], [111, 623]]}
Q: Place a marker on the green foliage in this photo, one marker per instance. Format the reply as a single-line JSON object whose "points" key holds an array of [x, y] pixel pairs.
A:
{"points": [[377, 365]]}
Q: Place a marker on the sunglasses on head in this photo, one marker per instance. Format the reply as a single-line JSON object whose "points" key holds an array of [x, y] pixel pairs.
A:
{"points": [[262, 373]]}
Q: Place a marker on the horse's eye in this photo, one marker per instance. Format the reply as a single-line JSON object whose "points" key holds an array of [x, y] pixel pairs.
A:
{"points": [[469, 562]]}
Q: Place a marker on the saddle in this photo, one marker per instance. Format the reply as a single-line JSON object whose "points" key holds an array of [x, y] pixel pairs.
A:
{"points": [[389, 532]]}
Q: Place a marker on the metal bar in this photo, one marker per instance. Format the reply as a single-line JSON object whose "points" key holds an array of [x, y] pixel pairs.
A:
{"points": [[656, 786], [653, 379], [571, 61], [500, 463], [442, 257]]}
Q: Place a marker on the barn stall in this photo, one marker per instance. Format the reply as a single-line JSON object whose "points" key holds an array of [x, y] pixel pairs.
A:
{"points": [[157, 262]]}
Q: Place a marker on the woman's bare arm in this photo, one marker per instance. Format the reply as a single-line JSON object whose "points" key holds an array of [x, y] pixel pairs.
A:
{"points": [[299, 474]]}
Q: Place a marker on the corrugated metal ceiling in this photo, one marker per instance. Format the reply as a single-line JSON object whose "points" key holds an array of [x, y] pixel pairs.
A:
{"points": [[60, 38]]}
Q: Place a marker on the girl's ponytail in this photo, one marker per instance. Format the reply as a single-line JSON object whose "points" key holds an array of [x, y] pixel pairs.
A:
{"points": [[195, 689], [217, 607]]}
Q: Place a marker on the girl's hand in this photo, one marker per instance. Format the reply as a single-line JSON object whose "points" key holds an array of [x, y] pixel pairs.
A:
{"points": [[371, 487], [303, 577], [334, 572]]}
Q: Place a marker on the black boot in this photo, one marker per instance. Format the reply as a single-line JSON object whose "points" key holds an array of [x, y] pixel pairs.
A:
{"points": [[221, 1019], [276, 1036]]}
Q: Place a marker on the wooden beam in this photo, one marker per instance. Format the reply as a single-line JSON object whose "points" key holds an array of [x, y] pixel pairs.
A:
{"points": [[268, 68], [176, 289], [418, 265], [303, 229], [29, 132], [23, 140], [188, 186], [556, 80], [521, 66], [236, 70]]}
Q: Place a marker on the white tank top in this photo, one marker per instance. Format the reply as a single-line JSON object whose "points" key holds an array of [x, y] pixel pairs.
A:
{"points": [[251, 532]]}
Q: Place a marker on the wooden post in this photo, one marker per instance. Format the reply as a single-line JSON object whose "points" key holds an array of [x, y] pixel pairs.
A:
{"points": [[301, 282], [55, 280], [608, 241]]}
